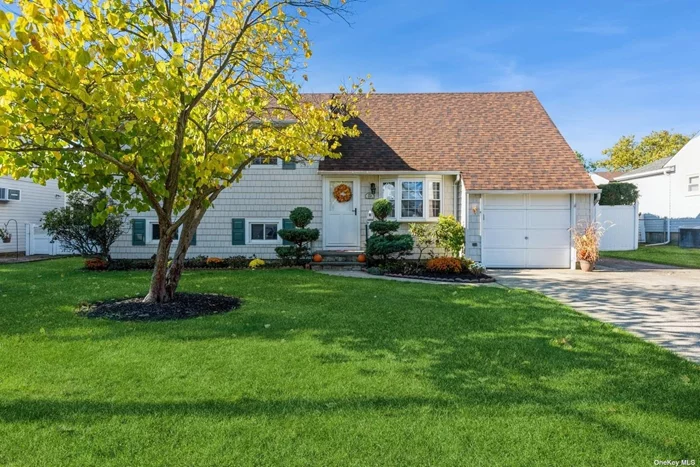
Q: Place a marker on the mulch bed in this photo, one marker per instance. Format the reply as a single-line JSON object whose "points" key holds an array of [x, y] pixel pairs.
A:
{"points": [[460, 278], [186, 305]]}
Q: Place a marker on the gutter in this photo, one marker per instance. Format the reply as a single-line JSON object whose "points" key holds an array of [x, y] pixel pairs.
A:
{"points": [[586, 191], [387, 172], [663, 170]]}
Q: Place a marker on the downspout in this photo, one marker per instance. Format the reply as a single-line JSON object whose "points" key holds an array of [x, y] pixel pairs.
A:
{"points": [[668, 219]]}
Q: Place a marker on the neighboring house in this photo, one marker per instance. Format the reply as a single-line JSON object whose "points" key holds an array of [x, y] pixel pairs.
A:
{"points": [[25, 202], [495, 161], [603, 178], [668, 189]]}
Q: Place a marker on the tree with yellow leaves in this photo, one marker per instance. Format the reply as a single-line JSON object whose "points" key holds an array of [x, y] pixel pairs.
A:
{"points": [[163, 103]]}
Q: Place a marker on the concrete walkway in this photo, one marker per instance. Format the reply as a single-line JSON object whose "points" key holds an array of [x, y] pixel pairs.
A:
{"points": [[658, 303]]}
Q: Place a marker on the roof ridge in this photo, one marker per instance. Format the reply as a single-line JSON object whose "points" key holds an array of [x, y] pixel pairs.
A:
{"points": [[432, 93]]}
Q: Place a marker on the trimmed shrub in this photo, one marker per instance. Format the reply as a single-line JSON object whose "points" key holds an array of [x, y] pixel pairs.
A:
{"points": [[444, 264], [383, 227], [301, 217], [301, 237], [256, 263], [449, 234], [618, 194], [385, 246], [382, 208], [214, 262]]}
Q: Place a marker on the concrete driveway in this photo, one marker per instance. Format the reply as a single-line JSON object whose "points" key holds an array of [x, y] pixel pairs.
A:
{"points": [[658, 303]]}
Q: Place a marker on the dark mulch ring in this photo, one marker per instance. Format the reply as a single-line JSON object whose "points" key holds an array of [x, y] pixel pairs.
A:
{"points": [[462, 278], [186, 305]]}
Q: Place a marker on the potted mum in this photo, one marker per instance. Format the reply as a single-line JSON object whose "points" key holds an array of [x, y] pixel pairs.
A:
{"points": [[587, 237]]}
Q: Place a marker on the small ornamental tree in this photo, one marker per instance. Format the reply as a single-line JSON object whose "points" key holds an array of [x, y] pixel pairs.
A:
{"points": [[424, 235], [449, 234], [163, 103], [75, 227], [384, 243], [300, 236]]}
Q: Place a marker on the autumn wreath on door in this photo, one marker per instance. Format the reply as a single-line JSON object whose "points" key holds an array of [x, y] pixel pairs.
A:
{"points": [[342, 193]]}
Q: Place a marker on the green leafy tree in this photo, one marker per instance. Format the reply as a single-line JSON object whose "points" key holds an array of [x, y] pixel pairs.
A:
{"points": [[628, 153], [588, 165], [163, 103], [75, 227]]}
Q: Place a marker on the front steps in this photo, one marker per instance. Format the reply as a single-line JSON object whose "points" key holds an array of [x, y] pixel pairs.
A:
{"points": [[338, 260]]}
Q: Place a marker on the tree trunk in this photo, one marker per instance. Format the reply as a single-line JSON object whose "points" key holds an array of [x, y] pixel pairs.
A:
{"points": [[189, 227], [158, 291]]}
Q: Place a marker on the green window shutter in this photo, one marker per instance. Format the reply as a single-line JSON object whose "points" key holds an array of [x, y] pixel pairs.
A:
{"points": [[287, 224], [237, 231], [138, 232], [289, 165], [194, 239]]}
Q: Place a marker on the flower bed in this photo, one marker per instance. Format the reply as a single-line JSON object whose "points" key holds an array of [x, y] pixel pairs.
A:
{"points": [[443, 269]]}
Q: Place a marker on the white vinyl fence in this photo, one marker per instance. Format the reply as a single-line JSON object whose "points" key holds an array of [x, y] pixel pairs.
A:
{"points": [[622, 224], [39, 242]]}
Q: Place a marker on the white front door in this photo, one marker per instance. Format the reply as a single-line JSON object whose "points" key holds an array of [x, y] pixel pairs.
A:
{"points": [[341, 219]]}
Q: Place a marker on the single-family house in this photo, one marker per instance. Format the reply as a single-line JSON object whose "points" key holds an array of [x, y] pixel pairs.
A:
{"points": [[669, 193], [24, 202], [495, 161]]}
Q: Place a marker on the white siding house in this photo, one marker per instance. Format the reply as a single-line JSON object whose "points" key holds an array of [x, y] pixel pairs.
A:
{"points": [[493, 160], [25, 202], [669, 189]]}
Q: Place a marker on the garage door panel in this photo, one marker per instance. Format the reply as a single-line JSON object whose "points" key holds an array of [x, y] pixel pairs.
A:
{"points": [[552, 238], [504, 238], [548, 258], [504, 202], [505, 219], [543, 219], [548, 219], [505, 258], [549, 202]]}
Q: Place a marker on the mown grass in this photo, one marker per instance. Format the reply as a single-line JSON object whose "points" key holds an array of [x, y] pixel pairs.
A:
{"points": [[320, 370], [664, 254]]}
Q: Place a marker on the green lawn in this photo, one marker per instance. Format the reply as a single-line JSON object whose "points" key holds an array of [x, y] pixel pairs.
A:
{"points": [[665, 254], [320, 370]]}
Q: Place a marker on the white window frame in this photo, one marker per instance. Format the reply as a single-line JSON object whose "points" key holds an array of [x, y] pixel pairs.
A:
{"points": [[427, 196], [248, 234], [395, 181], [687, 185], [149, 232], [426, 207], [278, 163]]}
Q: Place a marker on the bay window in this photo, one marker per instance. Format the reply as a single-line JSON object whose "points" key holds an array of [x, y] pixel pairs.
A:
{"points": [[414, 198]]}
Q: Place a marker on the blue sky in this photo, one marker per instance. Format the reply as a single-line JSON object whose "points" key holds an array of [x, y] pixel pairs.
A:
{"points": [[601, 69]]}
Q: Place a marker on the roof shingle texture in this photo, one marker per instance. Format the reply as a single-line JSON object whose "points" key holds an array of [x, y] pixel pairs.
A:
{"points": [[497, 141]]}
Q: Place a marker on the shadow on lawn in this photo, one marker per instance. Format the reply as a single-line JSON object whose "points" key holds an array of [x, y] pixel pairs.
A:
{"points": [[481, 347]]}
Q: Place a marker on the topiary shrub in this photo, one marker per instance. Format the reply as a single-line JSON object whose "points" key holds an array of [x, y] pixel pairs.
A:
{"points": [[300, 236], [384, 243], [301, 217], [449, 234], [382, 208], [618, 194]]}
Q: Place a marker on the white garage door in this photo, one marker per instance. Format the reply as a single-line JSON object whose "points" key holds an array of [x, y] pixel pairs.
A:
{"points": [[526, 231]]}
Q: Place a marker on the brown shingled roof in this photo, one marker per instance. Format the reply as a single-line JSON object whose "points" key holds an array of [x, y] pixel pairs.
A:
{"points": [[497, 141]]}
